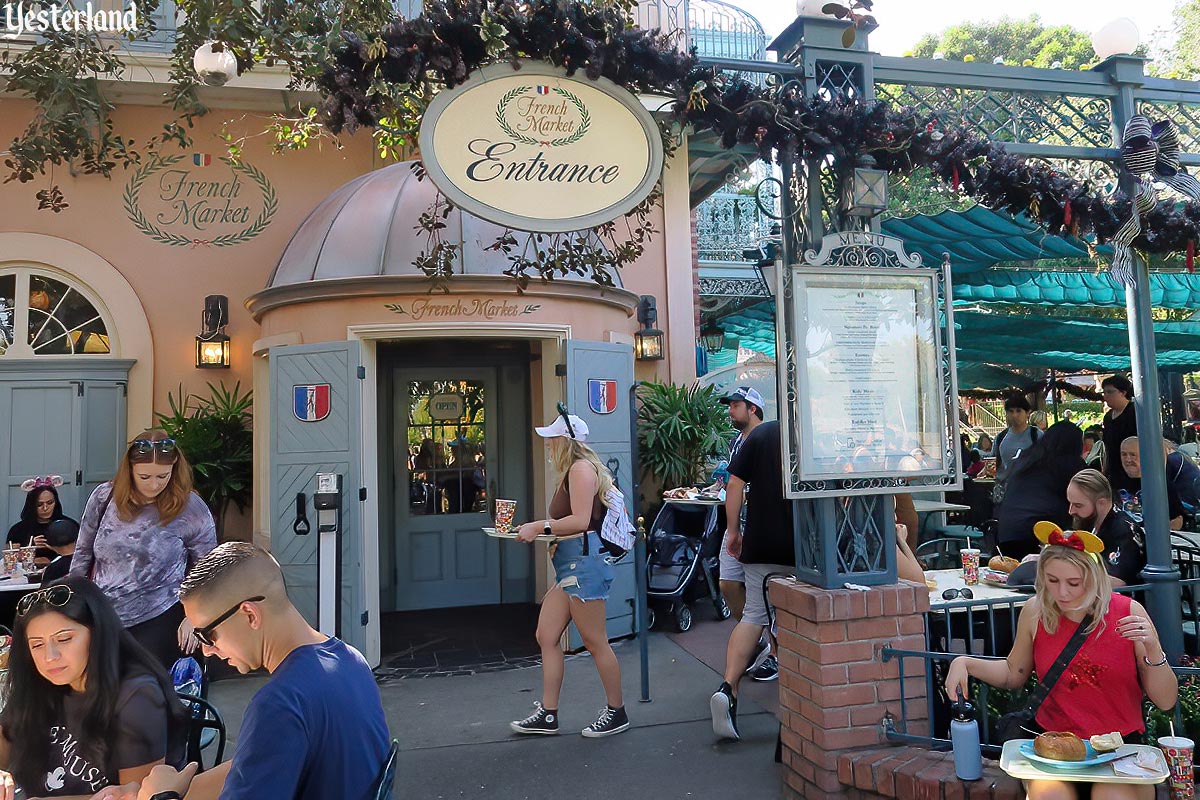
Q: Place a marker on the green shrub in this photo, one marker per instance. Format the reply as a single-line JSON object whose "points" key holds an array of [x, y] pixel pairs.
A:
{"points": [[678, 427], [215, 435]]}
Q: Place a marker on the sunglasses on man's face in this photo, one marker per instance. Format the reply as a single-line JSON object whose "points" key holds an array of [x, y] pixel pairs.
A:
{"points": [[142, 451], [56, 596], [205, 635]]}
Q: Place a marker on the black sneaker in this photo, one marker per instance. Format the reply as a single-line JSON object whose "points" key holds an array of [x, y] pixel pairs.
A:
{"points": [[768, 670], [542, 721], [611, 720], [723, 706]]}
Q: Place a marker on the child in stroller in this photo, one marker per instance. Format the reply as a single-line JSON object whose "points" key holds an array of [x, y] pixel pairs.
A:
{"points": [[682, 565]]}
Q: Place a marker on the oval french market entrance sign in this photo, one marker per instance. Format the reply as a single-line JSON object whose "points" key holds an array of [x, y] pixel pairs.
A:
{"points": [[535, 150]]}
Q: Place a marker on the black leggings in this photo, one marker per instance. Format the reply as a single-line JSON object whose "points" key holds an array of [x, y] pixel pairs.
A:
{"points": [[160, 635]]}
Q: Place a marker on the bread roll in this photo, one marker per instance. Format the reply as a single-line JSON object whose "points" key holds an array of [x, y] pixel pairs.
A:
{"points": [[1060, 746], [1003, 564]]}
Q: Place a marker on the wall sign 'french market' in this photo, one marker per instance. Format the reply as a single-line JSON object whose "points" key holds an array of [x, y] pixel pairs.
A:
{"points": [[185, 200], [535, 150]]}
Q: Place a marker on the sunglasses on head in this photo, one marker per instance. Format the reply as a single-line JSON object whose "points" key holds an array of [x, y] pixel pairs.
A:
{"points": [[56, 596], [204, 635], [954, 594], [142, 451], [562, 412]]}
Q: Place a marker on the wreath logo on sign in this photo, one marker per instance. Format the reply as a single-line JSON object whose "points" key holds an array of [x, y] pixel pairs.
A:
{"points": [[132, 195], [585, 119]]}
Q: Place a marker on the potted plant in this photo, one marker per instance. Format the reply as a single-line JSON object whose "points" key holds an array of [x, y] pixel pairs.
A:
{"points": [[215, 435], [678, 428]]}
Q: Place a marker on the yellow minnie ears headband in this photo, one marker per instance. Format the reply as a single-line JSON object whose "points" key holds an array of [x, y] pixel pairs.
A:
{"points": [[1083, 541]]}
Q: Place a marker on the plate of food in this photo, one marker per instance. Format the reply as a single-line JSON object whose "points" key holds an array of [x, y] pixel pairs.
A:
{"points": [[1062, 750], [687, 495]]}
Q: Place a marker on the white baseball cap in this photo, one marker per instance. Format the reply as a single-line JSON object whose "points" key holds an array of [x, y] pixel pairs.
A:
{"points": [[559, 427], [746, 394]]}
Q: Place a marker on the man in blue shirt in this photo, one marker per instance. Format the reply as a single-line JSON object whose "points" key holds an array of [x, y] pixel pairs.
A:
{"points": [[316, 729]]}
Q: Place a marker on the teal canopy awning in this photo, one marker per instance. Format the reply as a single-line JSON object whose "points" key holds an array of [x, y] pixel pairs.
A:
{"points": [[1021, 341], [979, 238], [1051, 288]]}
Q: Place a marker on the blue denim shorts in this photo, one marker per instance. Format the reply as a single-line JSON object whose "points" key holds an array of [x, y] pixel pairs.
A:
{"points": [[586, 577]]}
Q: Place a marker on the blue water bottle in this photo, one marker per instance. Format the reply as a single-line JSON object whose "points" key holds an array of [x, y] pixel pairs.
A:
{"points": [[964, 737]]}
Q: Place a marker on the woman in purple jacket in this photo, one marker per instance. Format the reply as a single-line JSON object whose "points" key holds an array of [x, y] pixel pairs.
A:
{"points": [[141, 532]]}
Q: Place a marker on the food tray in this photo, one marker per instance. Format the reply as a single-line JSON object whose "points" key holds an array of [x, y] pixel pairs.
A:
{"points": [[1014, 762], [512, 535]]}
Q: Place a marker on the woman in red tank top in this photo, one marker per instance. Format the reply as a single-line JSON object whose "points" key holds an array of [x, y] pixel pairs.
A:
{"points": [[1102, 688]]}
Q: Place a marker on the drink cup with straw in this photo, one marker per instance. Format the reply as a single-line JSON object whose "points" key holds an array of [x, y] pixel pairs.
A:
{"points": [[970, 563], [1179, 753]]}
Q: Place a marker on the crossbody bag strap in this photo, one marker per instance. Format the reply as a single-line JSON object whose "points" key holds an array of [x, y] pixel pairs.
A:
{"points": [[1060, 665]]}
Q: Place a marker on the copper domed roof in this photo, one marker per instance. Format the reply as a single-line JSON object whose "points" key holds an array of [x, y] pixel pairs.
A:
{"points": [[367, 228]]}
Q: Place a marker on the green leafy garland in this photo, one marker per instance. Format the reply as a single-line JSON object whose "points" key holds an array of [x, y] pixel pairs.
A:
{"points": [[451, 39]]}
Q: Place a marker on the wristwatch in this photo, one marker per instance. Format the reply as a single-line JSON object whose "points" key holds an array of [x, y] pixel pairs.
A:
{"points": [[170, 794], [546, 529]]}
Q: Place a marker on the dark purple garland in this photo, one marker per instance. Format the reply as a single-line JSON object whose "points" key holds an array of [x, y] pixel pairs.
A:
{"points": [[445, 44]]}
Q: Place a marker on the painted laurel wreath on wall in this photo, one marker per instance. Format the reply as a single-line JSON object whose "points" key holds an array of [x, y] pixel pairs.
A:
{"points": [[133, 190], [585, 118]]}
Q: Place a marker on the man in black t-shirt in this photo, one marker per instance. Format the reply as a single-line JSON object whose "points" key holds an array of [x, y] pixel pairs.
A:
{"points": [[765, 546], [1090, 503], [60, 537]]}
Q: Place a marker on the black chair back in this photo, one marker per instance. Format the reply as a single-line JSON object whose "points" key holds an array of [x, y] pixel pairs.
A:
{"points": [[383, 784], [202, 716]]}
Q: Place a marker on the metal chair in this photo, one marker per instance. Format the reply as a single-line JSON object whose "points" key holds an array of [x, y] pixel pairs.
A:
{"points": [[941, 553], [382, 789], [202, 716]]}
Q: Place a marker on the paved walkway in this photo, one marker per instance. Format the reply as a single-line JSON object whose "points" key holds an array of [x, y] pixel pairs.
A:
{"points": [[455, 741]]}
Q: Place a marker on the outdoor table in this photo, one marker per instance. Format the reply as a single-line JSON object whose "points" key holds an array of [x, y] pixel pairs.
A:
{"points": [[988, 616], [935, 506], [1018, 766]]}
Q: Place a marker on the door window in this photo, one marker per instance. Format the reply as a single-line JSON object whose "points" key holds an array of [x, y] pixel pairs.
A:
{"points": [[447, 450]]}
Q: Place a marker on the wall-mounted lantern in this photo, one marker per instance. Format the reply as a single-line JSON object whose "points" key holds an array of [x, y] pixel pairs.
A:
{"points": [[648, 342], [212, 345]]}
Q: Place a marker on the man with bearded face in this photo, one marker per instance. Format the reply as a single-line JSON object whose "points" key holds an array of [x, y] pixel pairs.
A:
{"points": [[1090, 503]]}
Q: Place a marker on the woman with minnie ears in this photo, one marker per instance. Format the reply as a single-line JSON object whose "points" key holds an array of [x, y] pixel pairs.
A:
{"points": [[1120, 662], [141, 532], [42, 506]]}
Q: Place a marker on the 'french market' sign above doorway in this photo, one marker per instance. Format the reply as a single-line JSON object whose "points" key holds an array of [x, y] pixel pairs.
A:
{"points": [[535, 150], [185, 200]]}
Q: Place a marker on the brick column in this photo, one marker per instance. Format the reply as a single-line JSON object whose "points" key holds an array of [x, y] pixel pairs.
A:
{"points": [[833, 688]]}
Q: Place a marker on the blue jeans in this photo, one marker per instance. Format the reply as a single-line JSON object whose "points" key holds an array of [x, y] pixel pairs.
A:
{"points": [[587, 577]]}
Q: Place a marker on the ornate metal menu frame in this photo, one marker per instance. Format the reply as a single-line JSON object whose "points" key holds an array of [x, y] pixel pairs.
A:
{"points": [[867, 255]]}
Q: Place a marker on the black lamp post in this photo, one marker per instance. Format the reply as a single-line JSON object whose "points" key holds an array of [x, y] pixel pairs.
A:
{"points": [[713, 337]]}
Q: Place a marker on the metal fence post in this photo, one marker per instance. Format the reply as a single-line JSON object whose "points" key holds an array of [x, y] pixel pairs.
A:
{"points": [[639, 549], [1165, 597]]}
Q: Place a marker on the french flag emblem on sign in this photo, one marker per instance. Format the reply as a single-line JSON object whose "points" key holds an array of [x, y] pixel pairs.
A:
{"points": [[310, 402], [602, 395], [543, 90]]}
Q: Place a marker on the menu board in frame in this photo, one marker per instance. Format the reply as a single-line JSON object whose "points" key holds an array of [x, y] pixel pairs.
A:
{"points": [[869, 377]]}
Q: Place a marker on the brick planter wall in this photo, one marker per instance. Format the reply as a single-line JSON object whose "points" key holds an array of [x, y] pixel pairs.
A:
{"points": [[833, 687]]}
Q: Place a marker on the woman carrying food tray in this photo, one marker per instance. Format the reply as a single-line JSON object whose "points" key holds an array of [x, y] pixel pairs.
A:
{"points": [[1101, 689], [582, 577]]}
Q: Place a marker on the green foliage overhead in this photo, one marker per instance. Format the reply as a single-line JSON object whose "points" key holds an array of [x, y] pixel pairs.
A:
{"points": [[215, 435], [1014, 40], [1181, 57], [678, 426]]}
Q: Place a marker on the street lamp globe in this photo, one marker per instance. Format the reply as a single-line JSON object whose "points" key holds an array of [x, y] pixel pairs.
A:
{"points": [[1119, 36], [810, 8], [214, 67]]}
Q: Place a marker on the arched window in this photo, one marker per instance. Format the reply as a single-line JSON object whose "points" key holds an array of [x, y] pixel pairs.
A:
{"points": [[43, 313]]}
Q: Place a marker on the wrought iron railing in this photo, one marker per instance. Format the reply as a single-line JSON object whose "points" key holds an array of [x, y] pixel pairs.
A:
{"points": [[728, 224], [996, 622]]}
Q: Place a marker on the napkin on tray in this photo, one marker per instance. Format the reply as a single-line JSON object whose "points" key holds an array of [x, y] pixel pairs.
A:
{"points": [[1145, 764]]}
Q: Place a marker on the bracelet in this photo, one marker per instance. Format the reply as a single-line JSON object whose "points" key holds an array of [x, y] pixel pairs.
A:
{"points": [[1150, 663]]}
